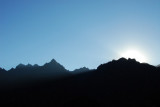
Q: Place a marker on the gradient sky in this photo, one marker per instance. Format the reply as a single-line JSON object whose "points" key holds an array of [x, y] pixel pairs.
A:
{"points": [[77, 33]]}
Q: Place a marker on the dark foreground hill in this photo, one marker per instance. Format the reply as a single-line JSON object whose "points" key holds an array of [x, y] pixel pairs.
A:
{"points": [[124, 82]]}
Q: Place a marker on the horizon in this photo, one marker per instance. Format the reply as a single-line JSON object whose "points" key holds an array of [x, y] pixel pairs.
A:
{"points": [[78, 33], [79, 67]]}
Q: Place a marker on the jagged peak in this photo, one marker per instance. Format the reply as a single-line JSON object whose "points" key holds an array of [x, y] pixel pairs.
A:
{"points": [[82, 69], [54, 64], [121, 59], [53, 61], [28, 65], [20, 65], [23, 65], [125, 59], [35, 65], [120, 62], [2, 69]]}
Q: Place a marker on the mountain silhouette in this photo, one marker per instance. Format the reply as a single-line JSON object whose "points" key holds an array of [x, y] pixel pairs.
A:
{"points": [[122, 82], [54, 66], [158, 65], [81, 70], [2, 70], [28, 74]]}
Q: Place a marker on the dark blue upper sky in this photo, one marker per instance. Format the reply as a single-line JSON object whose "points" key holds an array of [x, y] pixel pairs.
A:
{"points": [[77, 33]]}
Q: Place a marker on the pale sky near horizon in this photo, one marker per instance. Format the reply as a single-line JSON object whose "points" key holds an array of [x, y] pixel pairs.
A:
{"points": [[77, 33]]}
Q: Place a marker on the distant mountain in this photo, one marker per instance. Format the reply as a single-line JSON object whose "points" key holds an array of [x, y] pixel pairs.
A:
{"points": [[81, 70], [52, 66], [158, 65], [2, 70], [25, 74], [122, 82], [130, 65]]}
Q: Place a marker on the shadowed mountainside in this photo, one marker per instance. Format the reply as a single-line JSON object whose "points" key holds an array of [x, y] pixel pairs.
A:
{"points": [[123, 82]]}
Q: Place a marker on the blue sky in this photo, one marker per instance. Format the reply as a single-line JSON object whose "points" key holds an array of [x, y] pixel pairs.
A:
{"points": [[77, 33]]}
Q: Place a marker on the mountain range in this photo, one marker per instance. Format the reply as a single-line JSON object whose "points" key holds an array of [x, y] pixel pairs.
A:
{"points": [[122, 82]]}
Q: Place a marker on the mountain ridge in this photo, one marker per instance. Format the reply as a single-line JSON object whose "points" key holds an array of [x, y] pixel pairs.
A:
{"points": [[53, 61], [122, 82]]}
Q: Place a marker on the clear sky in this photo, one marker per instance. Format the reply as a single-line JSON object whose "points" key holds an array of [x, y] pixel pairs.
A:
{"points": [[77, 33]]}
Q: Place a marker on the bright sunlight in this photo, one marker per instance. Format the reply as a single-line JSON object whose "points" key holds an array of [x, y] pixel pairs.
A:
{"points": [[134, 54]]}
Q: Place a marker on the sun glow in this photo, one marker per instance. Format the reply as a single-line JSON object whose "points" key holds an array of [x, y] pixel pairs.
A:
{"points": [[134, 54]]}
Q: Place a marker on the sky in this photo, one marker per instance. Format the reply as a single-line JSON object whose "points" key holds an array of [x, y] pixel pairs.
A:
{"points": [[77, 33]]}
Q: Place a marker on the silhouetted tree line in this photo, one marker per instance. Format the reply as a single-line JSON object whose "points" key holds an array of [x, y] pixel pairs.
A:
{"points": [[123, 82]]}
